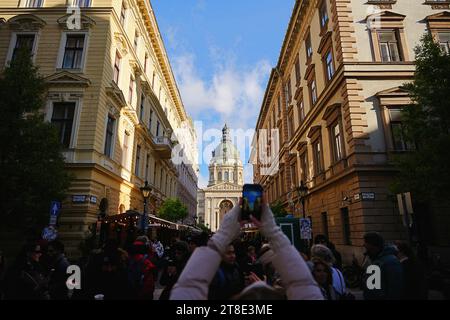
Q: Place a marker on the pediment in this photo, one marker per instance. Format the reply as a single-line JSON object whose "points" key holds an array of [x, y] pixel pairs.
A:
{"points": [[386, 16], [441, 16], [2, 21], [225, 186], [26, 22], [116, 95], [66, 78], [313, 131], [68, 23], [396, 91]]}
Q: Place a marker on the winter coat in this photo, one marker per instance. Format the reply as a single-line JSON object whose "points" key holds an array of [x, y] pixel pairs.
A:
{"points": [[392, 283], [228, 281], [196, 277]]}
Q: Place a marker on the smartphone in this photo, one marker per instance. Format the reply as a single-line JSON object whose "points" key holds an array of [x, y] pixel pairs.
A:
{"points": [[252, 201]]}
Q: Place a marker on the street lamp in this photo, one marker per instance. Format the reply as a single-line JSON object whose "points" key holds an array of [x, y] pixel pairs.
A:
{"points": [[146, 191], [302, 192]]}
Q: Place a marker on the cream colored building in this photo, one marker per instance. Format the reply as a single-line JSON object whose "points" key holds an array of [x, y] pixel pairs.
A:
{"points": [[335, 96], [112, 95], [225, 183]]}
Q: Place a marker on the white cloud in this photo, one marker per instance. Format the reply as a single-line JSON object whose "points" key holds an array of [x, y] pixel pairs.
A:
{"points": [[230, 92]]}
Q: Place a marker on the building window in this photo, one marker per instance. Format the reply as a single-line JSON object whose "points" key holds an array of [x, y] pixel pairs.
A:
{"points": [[33, 3], [308, 45], [288, 92], [279, 106], [123, 13], [147, 164], [304, 166], [117, 61], [226, 176], [126, 142], [346, 227], [82, 3], [336, 140], [313, 91], [325, 224], [73, 52], [138, 161], [291, 126], [329, 65], [25, 42], [317, 152], [145, 63], [153, 80], [444, 41], [131, 90], [399, 140], [389, 46], [323, 15], [141, 111], [62, 119], [150, 121], [157, 128], [136, 41], [109, 139], [301, 111], [297, 72]]}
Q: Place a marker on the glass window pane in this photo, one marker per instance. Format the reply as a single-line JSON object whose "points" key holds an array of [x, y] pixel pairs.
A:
{"points": [[387, 36], [394, 51], [444, 36], [385, 57]]}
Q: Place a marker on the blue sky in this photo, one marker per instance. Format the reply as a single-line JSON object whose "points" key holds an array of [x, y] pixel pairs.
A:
{"points": [[222, 53]]}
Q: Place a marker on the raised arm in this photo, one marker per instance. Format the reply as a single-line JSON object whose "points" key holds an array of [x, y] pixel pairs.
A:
{"points": [[295, 274], [196, 277]]}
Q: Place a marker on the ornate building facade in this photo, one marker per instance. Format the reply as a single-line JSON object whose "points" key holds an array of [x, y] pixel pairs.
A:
{"points": [[335, 98], [225, 183], [113, 97]]}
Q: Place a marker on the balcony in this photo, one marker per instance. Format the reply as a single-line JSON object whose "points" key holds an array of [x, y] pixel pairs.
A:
{"points": [[163, 145]]}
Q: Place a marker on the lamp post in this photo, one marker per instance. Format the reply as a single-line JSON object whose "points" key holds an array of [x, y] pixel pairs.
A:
{"points": [[145, 190], [302, 192]]}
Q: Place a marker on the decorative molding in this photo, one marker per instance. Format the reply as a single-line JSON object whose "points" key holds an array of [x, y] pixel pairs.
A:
{"points": [[116, 94], [86, 22], [439, 20], [26, 22], [121, 44], [65, 78], [314, 131]]}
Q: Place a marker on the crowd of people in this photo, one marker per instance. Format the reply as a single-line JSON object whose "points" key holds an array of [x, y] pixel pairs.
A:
{"points": [[228, 265]]}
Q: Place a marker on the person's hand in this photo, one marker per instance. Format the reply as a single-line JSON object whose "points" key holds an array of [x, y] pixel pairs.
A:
{"points": [[252, 278], [267, 223], [229, 229]]}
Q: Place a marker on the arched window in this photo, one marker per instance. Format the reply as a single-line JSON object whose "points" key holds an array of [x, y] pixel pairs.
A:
{"points": [[121, 209]]}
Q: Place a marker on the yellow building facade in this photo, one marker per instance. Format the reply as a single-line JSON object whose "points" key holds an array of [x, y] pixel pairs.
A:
{"points": [[335, 98], [112, 96]]}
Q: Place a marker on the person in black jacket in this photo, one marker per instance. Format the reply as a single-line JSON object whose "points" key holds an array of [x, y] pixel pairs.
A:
{"points": [[26, 279], [229, 279], [413, 273], [58, 276]]}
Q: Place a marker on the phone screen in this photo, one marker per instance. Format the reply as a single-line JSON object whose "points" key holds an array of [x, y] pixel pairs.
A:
{"points": [[252, 201]]}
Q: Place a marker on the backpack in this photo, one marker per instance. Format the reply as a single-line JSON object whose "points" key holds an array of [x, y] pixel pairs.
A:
{"points": [[136, 274]]}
